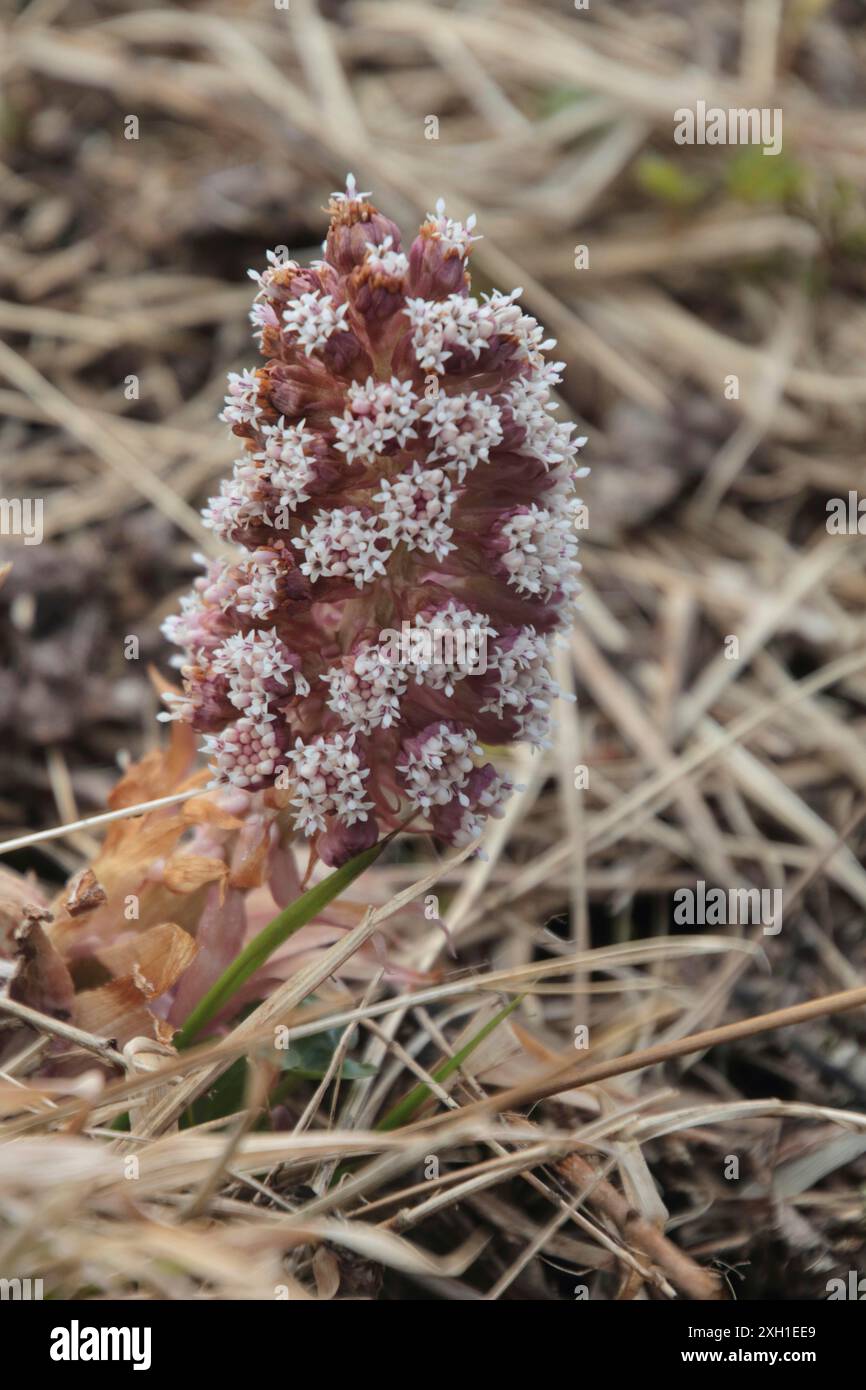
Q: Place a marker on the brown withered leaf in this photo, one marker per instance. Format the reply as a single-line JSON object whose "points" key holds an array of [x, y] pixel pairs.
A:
{"points": [[41, 978], [161, 684], [183, 873], [131, 849], [159, 956], [251, 872], [205, 810], [119, 1010], [121, 867], [16, 893], [250, 859], [84, 893], [133, 845], [160, 772]]}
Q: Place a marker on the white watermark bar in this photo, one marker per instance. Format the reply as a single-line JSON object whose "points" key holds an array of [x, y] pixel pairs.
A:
{"points": [[454, 648], [726, 907], [21, 517], [740, 125]]}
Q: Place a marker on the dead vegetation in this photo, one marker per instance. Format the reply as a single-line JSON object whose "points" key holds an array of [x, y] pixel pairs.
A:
{"points": [[715, 350]]}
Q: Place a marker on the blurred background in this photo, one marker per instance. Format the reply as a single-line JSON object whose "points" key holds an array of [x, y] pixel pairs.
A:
{"points": [[710, 304]]}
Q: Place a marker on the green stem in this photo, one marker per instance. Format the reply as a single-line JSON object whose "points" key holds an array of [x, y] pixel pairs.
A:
{"points": [[270, 938], [401, 1113]]}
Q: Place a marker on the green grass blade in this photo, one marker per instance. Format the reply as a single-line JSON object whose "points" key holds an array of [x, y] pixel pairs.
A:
{"points": [[401, 1113], [271, 937]]}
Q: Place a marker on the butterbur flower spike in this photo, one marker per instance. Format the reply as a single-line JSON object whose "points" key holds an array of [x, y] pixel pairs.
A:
{"points": [[402, 513]]}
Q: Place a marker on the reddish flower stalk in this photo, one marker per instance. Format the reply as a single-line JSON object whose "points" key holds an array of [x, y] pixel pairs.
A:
{"points": [[403, 513]]}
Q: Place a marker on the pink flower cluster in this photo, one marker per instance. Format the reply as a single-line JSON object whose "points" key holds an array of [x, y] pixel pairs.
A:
{"points": [[400, 470]]}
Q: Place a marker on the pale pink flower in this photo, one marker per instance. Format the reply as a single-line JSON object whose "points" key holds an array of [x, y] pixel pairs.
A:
{"points": [[402, 481]]}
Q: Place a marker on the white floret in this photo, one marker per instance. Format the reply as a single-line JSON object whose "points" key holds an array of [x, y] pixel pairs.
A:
{"points": [[313, 318]]}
